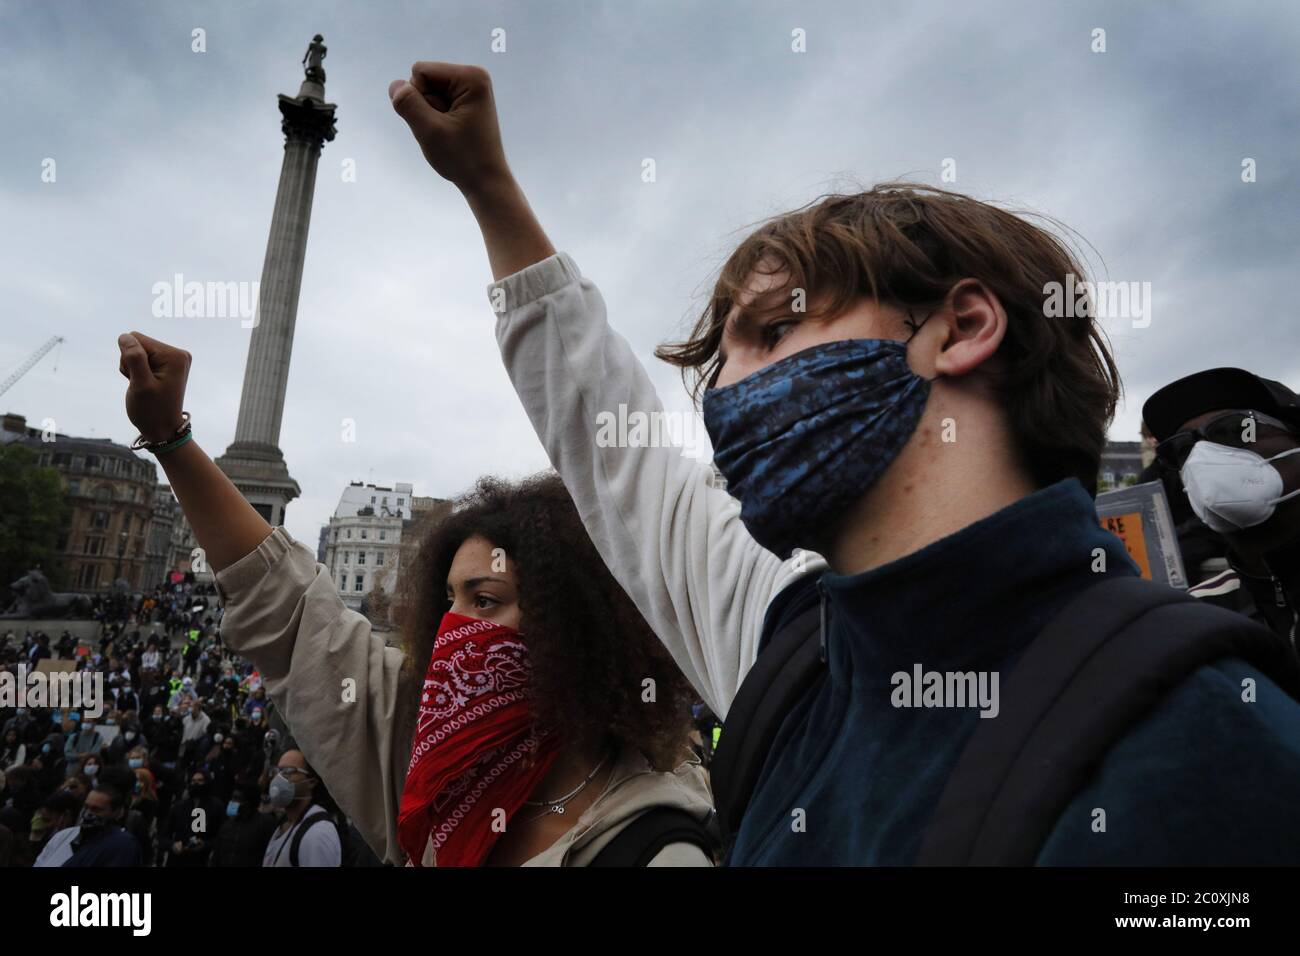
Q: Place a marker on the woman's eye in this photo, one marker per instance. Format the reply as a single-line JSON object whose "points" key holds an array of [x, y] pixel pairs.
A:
{"points": [[484, 601]]}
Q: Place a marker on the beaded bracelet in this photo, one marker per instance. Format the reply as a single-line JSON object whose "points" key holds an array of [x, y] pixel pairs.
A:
{"points": [[183, 434]]}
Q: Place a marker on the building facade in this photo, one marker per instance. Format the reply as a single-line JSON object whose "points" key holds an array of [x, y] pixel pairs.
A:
{"points": [[1121, 464], [364, 537], [110, 489]]}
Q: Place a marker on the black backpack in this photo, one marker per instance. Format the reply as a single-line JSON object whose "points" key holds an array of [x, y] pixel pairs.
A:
{"points": [[1098, 667], [641, 840], [353, 850]]}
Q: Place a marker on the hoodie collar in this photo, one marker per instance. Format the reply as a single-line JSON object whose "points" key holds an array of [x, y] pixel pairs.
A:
{"points": [[973, 598]]}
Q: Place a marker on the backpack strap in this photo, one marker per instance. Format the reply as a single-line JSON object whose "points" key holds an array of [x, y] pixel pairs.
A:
{"points": [[788, 665], [303, 827], [641, 840], [1099, 666]]}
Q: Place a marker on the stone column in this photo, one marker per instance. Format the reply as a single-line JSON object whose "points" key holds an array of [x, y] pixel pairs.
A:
{"points": [[254, 461]]}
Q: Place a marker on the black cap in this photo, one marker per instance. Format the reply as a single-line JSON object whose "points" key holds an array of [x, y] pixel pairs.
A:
{"points": [[1213, 389]]}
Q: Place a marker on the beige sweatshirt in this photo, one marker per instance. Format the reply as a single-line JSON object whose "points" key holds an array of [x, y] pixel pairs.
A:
{"points": [[336, 685]]}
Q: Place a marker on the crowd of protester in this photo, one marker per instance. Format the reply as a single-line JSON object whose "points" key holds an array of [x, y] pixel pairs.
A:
{"points": [[185, 726]]}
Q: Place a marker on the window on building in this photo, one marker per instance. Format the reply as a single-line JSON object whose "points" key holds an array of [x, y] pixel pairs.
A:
{"points": [[379, 558], [99, 519], [343, 582], [361, 557], [385, 501], [95, 545], [363, 534], [383, 535], [347, 557], [92, 462], [360, 579], [349, 532], [74, 487], [401, 501], [372, 499], [89, 576]]}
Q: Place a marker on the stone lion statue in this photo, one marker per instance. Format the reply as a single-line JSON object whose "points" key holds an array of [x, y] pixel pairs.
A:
{"points": [[35, 599]]}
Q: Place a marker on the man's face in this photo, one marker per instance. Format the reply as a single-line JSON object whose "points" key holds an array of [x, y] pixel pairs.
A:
{"points": [[101, 806], [748, 346], [1268, 440], [292, 766]]}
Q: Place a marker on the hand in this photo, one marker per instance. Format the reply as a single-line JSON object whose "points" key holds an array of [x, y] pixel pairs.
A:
{"points": [[452, 114], [157, 391]]}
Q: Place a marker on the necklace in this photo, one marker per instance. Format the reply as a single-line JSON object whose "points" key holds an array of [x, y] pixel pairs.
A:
{"points": [[557, 805]]}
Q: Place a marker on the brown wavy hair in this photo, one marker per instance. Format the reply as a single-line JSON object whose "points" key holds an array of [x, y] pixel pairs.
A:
{"points": [[906, 245], [590, 647]]}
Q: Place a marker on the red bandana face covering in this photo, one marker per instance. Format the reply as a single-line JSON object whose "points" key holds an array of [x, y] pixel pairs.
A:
{"points": [[474, 749]]}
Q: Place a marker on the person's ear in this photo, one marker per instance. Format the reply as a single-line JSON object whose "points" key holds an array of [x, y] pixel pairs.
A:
{"points": [[962, 334]]}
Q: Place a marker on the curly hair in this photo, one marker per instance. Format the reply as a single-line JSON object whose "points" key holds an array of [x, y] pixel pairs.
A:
{"points": [[591, 649]]}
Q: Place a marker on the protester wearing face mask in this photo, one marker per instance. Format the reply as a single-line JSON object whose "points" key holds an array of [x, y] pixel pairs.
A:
{"points": [[910, 445], [164, 731], [129, 737], [98, 840], [188, 835], [242, 839], [26, 724], [137, 758], [195, 724], [182, 693], [86, 740], [579, 716], [306, 835], [1234, 440]]}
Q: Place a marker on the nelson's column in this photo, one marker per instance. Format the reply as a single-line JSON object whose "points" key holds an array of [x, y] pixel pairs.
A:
{"points": [[254, 461]]}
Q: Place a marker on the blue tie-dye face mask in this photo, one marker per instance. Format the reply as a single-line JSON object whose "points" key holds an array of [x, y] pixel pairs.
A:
{"points": [[801, 441]]}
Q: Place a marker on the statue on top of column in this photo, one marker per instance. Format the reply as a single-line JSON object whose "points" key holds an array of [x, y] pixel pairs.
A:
{"points": [[313, 57]]}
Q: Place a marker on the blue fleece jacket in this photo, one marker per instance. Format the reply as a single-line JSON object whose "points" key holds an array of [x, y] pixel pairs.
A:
{"points": [[1205, 778]]}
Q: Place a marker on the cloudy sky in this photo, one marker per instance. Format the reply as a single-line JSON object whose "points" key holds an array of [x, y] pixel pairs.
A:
{"points": [[167, 162]]}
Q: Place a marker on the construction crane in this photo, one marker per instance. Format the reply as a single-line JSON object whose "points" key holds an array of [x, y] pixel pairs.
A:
{"points": [[27, 366]]}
